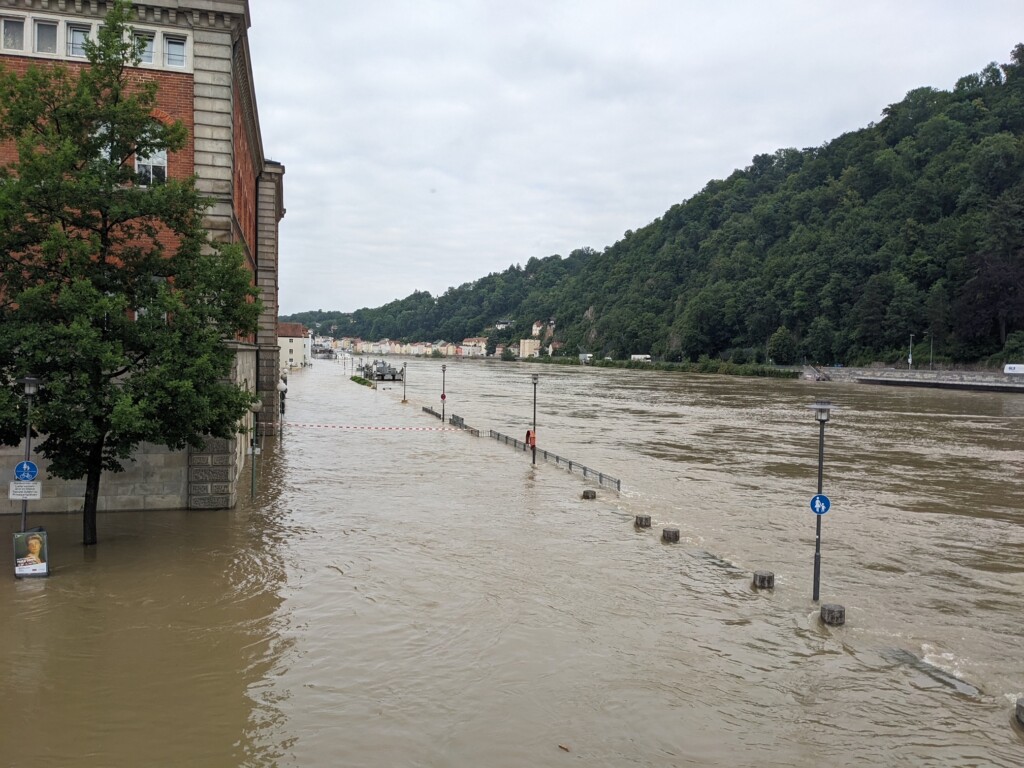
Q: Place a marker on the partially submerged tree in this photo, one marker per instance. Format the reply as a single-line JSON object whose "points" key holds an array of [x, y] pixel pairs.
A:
{"points": [[111, 291]]}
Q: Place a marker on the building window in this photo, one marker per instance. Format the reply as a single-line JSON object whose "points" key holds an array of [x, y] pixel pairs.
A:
{"points": [[46, 37], [174, 51], [77, 35], [151, 169], [145, 40], [14, 34]]}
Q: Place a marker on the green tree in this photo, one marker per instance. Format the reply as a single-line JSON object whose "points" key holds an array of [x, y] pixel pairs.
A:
{"points": [[782, 347], [110, 291]]}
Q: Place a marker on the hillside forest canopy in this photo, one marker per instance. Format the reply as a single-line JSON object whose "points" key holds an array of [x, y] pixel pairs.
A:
{"points": [[831, 254]]}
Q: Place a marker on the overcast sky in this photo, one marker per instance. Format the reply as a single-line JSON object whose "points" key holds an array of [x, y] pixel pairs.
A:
{"points": [[428, 143]]}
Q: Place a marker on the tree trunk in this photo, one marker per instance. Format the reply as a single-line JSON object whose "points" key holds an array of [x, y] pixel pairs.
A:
{"points": [[92, 494]]}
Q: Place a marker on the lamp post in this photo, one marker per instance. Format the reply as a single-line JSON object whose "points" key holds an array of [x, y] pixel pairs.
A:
{"points": [[533, 440], [282, 390], [31, 384], [404, 365], [931, 349], [255, 408], [910, 354], [443, 395], [821, 413]]}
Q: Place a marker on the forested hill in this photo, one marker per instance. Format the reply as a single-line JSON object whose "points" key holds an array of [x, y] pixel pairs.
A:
{"points": [[912, 225]]}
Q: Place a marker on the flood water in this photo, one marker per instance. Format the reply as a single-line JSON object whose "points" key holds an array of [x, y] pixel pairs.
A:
{"points": [[398, 594]]}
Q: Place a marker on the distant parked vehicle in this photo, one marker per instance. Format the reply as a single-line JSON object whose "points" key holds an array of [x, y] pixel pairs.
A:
{"points": [[641, 358]]}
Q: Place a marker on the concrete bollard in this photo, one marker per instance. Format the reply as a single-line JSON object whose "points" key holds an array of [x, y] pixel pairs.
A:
{"points": [[643, 521], [833, 615], [1020, 710], [588, 494], [671, 535], [764, 580]]}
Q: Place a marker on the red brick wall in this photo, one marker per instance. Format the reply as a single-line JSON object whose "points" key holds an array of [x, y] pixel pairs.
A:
{"points": [[244, 178], [175, 100]]}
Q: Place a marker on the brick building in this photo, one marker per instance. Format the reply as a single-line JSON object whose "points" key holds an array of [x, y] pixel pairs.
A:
{"points": [[198, 53]]}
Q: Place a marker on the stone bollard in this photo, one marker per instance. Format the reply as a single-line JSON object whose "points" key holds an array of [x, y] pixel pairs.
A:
{"points": [[588, 494], [671, 535], [833, 615], [1020, 710], [643, 521], [764, 580]]}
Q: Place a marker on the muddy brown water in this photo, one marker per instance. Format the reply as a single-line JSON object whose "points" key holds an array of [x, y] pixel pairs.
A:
{"points": [[396, 594]]}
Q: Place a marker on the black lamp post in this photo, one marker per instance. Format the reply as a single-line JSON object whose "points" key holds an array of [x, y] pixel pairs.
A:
{"points": [[282, 390], [821, 413], [443, 395], [404, 365], [533, 440], [31, 384], [255, 408]]}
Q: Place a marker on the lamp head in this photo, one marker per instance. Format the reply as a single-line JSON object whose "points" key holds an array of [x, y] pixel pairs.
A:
{"points": [[536, 377], [821, 410], [31, 384], [282, 387], [255, 406]]}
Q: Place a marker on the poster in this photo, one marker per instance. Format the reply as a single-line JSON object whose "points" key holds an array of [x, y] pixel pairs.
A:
{"points": [[30, 553]]}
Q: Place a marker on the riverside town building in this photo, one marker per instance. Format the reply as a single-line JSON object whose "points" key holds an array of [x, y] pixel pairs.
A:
{"points": [[198, 53]]}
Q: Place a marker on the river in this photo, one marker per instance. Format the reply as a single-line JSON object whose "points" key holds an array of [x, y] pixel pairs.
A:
{"points": [[397, 593]]}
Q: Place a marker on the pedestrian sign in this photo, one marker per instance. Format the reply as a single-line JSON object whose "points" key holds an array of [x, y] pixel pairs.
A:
{"points": [[26, 470], [820, 504]]}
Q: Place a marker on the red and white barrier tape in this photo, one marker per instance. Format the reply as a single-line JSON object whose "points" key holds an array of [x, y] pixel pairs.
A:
{"points": [[359, 426]]}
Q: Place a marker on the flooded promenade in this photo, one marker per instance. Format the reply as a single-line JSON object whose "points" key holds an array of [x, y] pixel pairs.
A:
{"points": [[398, 593]]}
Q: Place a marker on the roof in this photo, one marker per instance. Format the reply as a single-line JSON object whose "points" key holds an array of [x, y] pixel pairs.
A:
{"points": [[292, 330]]}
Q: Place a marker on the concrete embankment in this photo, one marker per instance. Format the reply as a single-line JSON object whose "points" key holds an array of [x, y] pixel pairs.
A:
{"points": [[982, 381]]}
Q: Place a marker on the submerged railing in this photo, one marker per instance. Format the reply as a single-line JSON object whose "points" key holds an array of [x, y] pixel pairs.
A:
{"points": [[605, 481]]}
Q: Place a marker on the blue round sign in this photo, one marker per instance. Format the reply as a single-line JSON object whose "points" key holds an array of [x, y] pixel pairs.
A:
{"points": [[26, 470], [820, 504]]}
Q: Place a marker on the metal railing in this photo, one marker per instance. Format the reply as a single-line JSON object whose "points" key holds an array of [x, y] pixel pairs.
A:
{"points": [[605, 481]]}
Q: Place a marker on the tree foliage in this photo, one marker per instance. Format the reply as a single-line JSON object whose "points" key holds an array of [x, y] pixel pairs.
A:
{"points": [[908, 225], [110, 292]]}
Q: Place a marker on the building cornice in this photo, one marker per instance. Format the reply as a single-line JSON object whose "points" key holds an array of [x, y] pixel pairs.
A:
{"points": [[196, 14]]}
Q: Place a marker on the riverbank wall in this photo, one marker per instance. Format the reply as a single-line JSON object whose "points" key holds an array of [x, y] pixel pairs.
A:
{"points": [[983, 381]]}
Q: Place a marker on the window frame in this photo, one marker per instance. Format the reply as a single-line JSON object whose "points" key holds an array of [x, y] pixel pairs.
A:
{"points": [[147, 161], [4, 21], [169, 38], [37, 24], [150, 37], [69, 41]]}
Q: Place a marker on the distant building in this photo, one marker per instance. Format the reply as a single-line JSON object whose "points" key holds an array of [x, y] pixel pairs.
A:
{"points": [[475, 346], [529, 348], [295, 344]]}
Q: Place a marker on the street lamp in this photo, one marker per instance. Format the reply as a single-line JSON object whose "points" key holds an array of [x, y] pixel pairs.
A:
{"points": [[910, 354], [404, 365], [255, 408], [443, 396], [821, 412], [282, 390], [931, 349], [533, 438], [31, 384]]}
